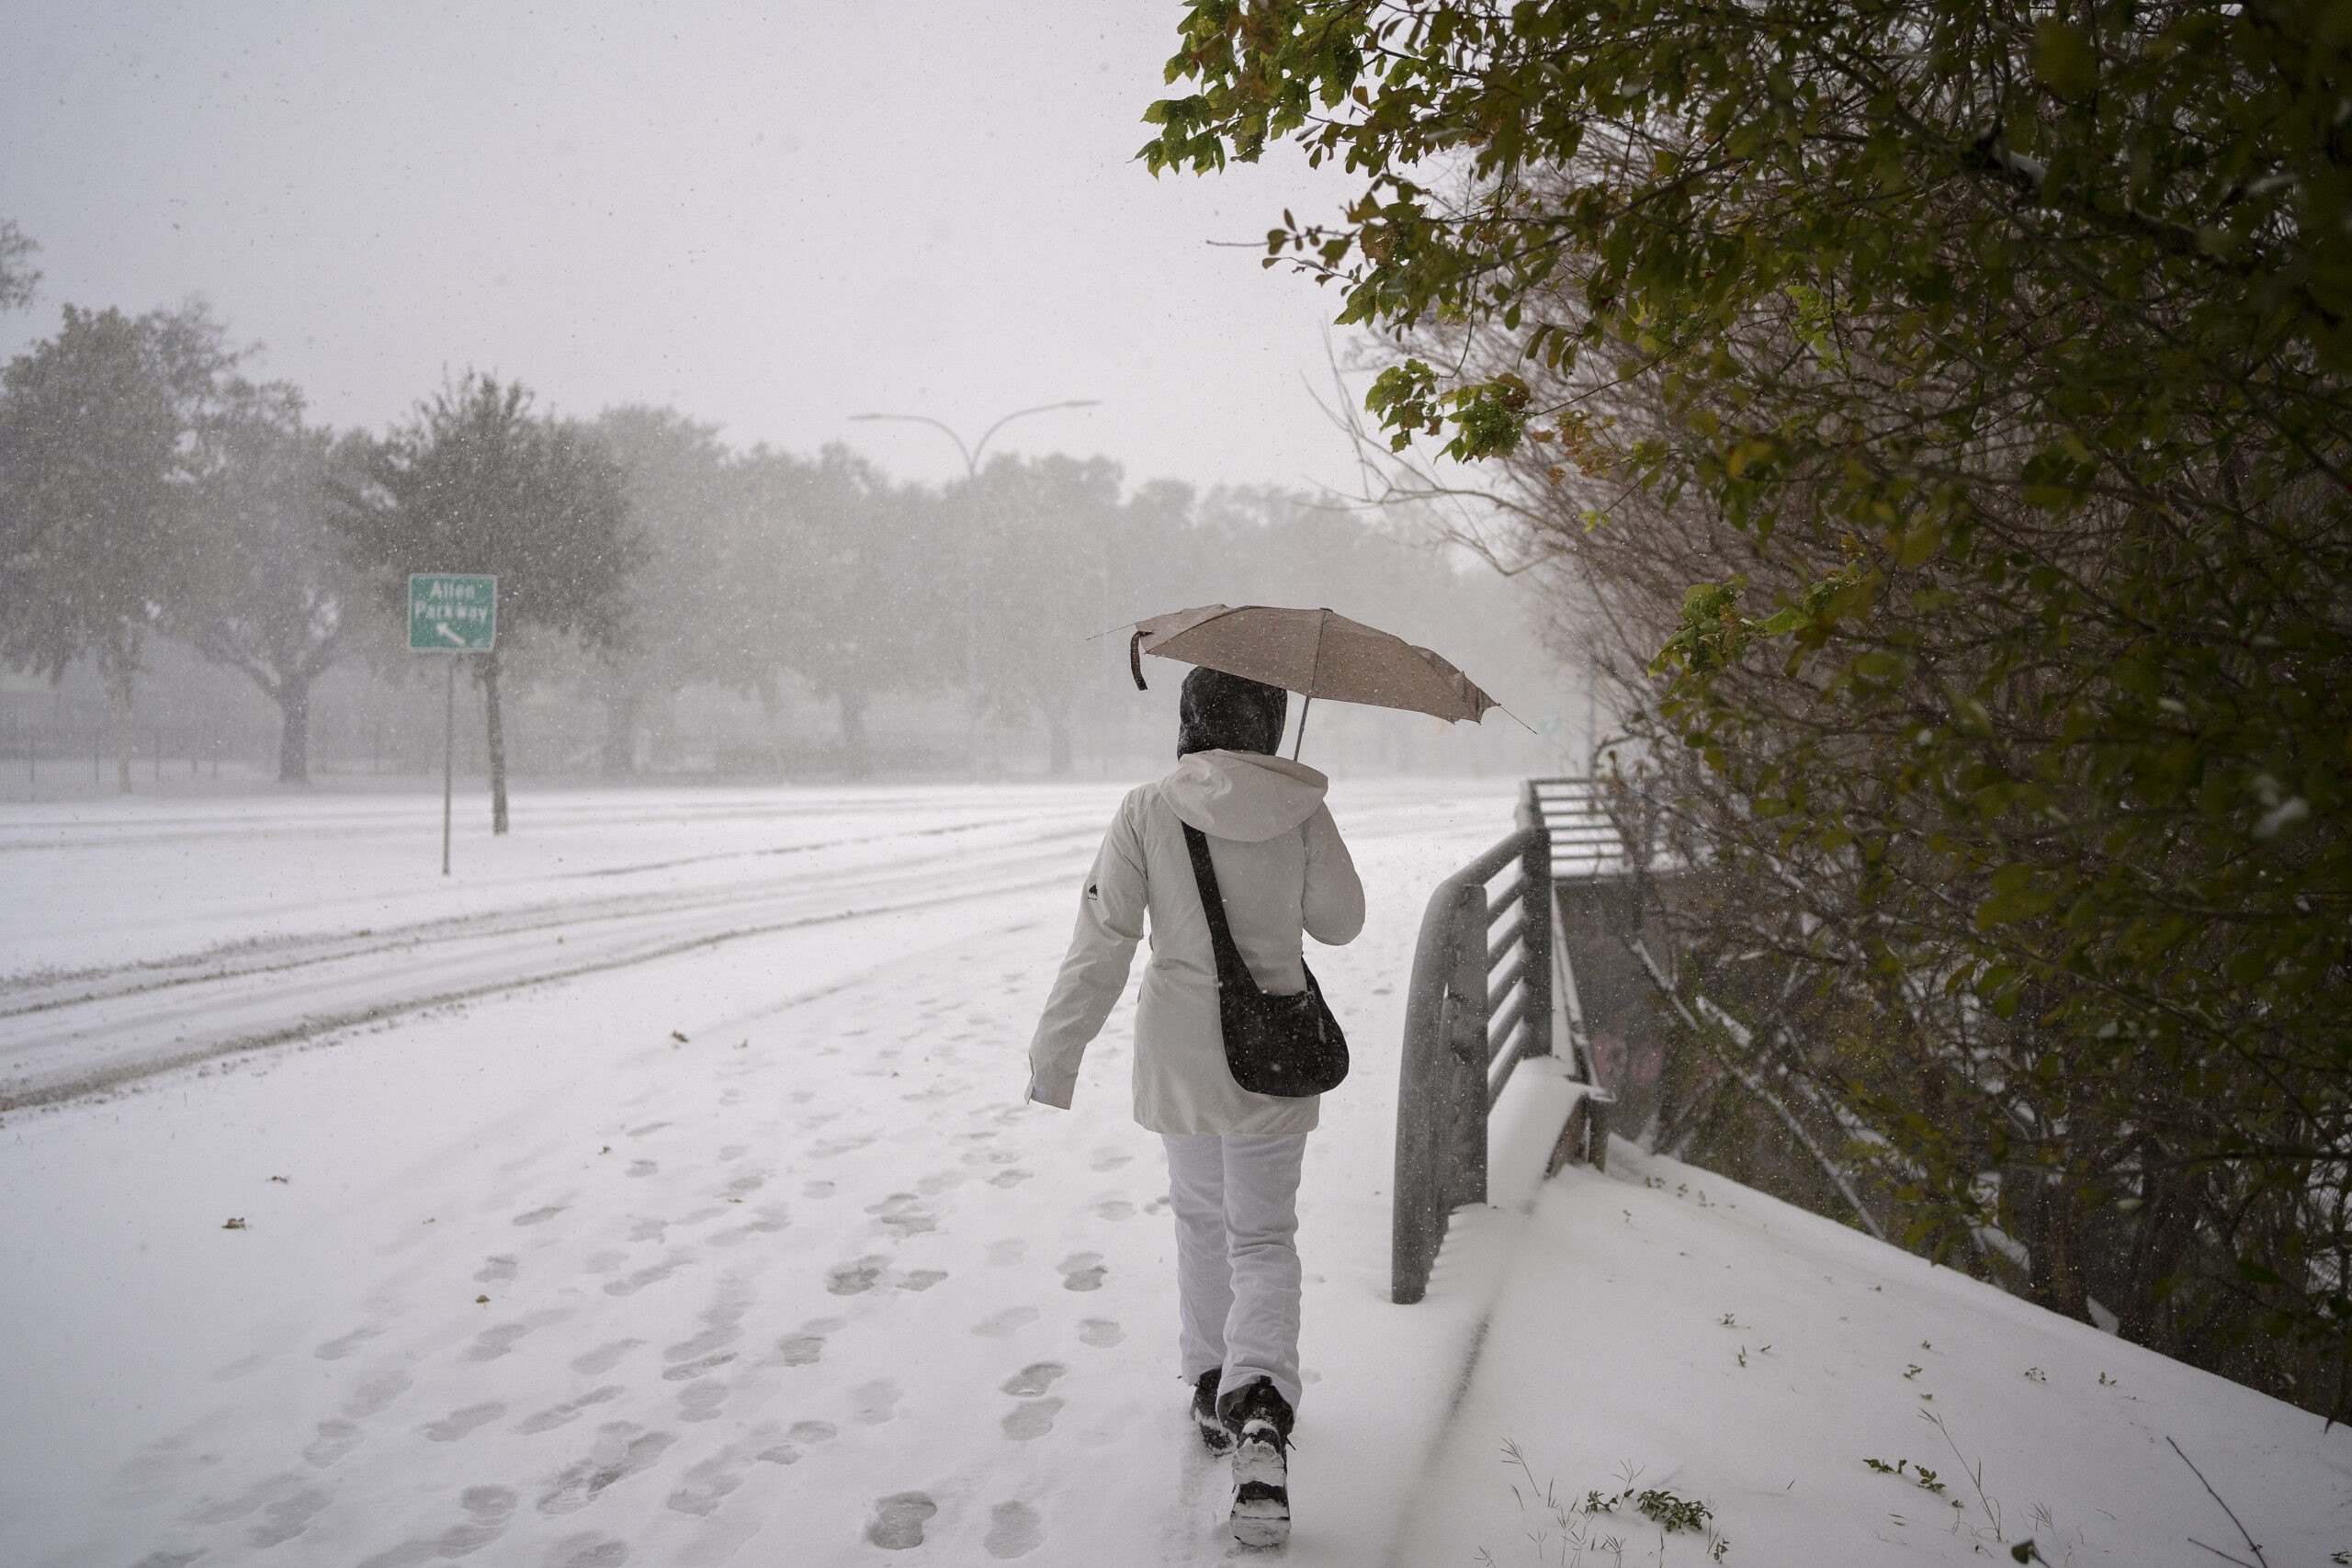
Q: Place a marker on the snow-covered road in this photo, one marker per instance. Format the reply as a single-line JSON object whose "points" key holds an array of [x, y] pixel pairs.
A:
{"points": [[656, 1186]]}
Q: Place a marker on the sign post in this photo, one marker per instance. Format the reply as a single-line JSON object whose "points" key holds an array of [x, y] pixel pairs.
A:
{"points": [[452, 615]]}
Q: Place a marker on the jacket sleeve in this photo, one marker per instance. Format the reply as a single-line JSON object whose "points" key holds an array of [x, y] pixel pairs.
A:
{"points": [[1110, 923], [1333, 904]]}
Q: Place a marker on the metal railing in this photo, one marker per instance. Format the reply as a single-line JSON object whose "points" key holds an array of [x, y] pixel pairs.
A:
{"points": [[1483, 1000]]}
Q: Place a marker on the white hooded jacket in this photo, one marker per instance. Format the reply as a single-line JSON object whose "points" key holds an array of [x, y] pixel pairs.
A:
{"points": [[1281, 869]]}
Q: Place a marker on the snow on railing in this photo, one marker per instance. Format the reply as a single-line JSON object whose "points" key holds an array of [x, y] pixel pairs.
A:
{"points": [[1482, 1003]]}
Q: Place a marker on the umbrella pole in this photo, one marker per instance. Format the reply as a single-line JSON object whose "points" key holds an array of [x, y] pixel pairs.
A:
{"points": [[1302, 729]]}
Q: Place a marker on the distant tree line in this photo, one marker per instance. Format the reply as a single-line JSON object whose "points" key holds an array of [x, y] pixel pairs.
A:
{"points": [[1935, 416], [151, 486]]}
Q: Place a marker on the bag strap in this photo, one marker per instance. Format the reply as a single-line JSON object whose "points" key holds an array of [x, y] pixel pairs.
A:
{"points": [[1231, 973]]}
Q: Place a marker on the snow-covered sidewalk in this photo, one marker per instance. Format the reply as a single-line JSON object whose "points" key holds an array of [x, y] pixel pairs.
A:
{"points": [[747, 1248], [658, 1191]]}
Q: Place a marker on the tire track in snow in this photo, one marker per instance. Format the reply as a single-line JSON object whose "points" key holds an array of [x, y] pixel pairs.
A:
{"points": [[33, 1091], [41, 991]]}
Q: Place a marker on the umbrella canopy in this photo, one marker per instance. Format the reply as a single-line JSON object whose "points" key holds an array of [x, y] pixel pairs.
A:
{"points": [[1317, 653]]}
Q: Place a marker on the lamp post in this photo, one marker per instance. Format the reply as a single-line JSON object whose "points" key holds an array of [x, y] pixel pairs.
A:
{"points": [[971, 456]]}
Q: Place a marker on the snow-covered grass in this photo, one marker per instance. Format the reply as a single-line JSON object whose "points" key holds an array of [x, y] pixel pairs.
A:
{"points": [[656, 1191], [1665, 1330]]}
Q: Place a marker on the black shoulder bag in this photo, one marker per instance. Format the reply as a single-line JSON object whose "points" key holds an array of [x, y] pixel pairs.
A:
{"points": [[1283, 1046]]}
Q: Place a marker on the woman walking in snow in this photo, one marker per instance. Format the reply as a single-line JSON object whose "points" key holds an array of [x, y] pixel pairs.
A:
{"points": [[1233, 1156]]}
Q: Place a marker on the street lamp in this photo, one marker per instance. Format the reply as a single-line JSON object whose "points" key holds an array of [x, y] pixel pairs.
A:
{"points": [[971, 455]]}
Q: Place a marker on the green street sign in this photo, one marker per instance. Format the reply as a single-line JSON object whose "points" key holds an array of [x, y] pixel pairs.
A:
{"points": [[449, 614]]}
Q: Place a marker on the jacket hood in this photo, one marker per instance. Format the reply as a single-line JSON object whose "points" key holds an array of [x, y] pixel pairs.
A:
{"points": [[1243, 795]]}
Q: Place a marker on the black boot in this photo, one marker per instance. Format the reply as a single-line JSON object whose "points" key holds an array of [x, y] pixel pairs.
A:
{"points": [[1215, 1435], [1259, 1419]]}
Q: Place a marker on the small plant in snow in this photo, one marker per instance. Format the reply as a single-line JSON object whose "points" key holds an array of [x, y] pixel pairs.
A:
{"points": [[1919, 1475], [1576, 1529], [1664, 1509], [2037, 1374]]}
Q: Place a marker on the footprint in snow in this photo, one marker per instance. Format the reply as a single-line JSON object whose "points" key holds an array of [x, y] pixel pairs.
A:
{"points": [[1032, 1418], [939, 1182], [804, 1435], [622, 1449], [334, 1438], [375, 1392], [642, 1278], [706, 1486], [721, 1330], [604, 1358], [1080, 1272], [540, 1216], [901, 1211], [1002, 1325], [488, 1508], [496, 1341], [283, 1521], [457, 1423], [817, 1190], [1110, 1159], [641, 1167], [769, 1221], [831, 1147], [1101, 1333], [1010, 1250], [1015, 1531], [338, 1349], [876, 1402], [897, 1521], [1114, 1209], [686, 1371], [701, 1401], [854, 1279], [1034, 1379], [497, 1269], [648, 1127], [1013, 1178], [569, 1410], [589, 1552], [808, 1347], [648, 1230]]}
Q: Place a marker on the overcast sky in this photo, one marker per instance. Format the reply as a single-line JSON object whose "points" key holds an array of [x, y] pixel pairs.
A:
{"points": [[770, 216]]}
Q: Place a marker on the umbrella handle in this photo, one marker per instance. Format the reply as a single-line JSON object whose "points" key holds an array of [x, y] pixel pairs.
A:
{"points": [[1134, 660], [1301, 741]]}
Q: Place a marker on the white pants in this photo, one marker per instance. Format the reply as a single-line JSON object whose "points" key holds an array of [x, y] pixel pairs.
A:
{"points": [[1236, 1199]]}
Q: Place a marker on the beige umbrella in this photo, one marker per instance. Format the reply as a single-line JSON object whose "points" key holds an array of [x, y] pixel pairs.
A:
{"points": [[1317, 653]]}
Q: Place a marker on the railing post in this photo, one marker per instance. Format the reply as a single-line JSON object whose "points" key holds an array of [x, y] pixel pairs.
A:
{"points": [[1465, 1042], [1535, 933], [1424, 1082]]}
